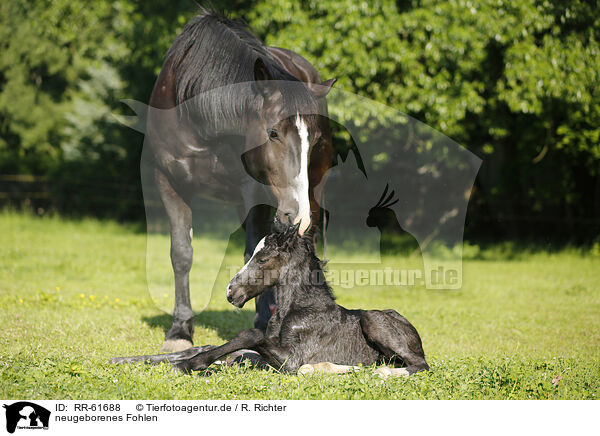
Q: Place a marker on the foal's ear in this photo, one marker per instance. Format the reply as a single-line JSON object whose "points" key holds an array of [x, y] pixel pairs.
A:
{"points": [[323, 88], [293, 230], [310, 233], [291, 236], [262, 76]]}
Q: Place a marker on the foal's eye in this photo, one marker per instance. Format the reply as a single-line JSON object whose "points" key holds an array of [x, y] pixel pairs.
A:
{"points": [[272, 134], [261, 261]]}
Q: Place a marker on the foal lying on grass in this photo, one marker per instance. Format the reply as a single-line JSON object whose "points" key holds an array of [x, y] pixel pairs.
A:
{"points": [[308, 332]]}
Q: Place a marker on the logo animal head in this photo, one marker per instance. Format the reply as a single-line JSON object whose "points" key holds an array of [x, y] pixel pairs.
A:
{"points": [[24, 414]]}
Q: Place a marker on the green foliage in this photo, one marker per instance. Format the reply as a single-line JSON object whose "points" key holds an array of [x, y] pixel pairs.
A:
{"points": [[444, 62], [74, 294], [64, 66], [58, 71], [515, 82]]}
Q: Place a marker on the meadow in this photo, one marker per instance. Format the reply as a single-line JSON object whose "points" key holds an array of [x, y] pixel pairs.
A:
{"points": [[73, 293]]}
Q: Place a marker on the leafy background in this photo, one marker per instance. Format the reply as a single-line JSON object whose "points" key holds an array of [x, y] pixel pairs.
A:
{"points": [[514, 82]]}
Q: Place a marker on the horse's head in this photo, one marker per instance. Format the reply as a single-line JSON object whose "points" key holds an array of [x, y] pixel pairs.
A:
{"points": [[273, 257], [279, 139]]}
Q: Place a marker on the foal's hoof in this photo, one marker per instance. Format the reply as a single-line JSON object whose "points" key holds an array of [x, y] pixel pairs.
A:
{"points": [[326, 368], [306, 369], [175, 345], [386, 372]]}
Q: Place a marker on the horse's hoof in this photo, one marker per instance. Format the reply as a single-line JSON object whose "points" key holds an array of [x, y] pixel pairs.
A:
{"points": [[175, 345]]}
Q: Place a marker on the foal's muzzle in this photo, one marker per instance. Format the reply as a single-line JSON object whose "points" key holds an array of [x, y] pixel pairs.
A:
{"points": [[236, 296]]}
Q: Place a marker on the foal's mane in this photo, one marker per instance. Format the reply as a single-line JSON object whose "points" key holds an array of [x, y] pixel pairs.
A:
{"points": [[304, 251], [213, 51]]}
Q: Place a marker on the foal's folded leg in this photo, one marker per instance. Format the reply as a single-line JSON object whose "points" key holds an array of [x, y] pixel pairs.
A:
{"points": [[201, 360], [245, 356]]}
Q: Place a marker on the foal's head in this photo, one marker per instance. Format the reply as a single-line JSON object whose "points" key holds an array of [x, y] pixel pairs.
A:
{"points": [[275, 257]]}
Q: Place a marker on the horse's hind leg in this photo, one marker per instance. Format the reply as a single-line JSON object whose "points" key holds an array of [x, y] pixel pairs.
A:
{"points": [[179, 336], [395, 338]]}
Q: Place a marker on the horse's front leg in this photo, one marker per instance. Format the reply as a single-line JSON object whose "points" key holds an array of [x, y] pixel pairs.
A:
{"points": [[179, 336], [257, 225]]}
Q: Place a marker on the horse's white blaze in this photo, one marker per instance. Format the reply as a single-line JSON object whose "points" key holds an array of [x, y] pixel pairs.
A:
{"points": [[301, 180], [259, 247]]}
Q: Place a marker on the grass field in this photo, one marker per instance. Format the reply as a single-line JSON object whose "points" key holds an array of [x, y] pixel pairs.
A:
{"points": [[526, 324]]}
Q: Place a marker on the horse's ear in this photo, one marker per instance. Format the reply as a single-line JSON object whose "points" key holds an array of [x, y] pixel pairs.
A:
{"points": [[323, 88], [261, 72], [262, 76]]}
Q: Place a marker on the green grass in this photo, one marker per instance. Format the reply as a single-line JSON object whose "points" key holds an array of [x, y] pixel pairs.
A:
{"points": [[74, 293]]}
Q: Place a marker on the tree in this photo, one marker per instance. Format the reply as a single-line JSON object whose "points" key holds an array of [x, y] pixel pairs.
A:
{"points": [[516, 82]]}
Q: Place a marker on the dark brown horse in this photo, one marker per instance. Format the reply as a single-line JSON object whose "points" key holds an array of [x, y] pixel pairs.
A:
{"points": [[270, 129]]}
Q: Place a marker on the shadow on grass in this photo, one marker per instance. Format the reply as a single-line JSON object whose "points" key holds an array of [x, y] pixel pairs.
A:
{"points": [[226, 322]]}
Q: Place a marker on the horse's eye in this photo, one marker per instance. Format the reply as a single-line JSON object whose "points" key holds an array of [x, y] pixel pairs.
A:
{"points": [[272, 133], [261, 261]]}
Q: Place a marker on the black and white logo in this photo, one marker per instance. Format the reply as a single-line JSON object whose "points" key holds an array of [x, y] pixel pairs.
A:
{"points": [[26, 415]]}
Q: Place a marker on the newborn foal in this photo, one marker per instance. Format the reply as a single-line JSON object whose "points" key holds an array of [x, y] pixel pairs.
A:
{"points": [[308, 332]]}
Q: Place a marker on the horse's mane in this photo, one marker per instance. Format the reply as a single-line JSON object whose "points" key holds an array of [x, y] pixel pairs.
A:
{"points": [[213, 51]]}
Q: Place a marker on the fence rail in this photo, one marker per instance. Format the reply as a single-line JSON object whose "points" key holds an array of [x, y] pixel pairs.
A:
{"points": [[89, 196], [21, 178]]}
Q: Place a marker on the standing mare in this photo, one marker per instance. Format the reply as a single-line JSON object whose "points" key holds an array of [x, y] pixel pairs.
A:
{"points": [[287, 155]]}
